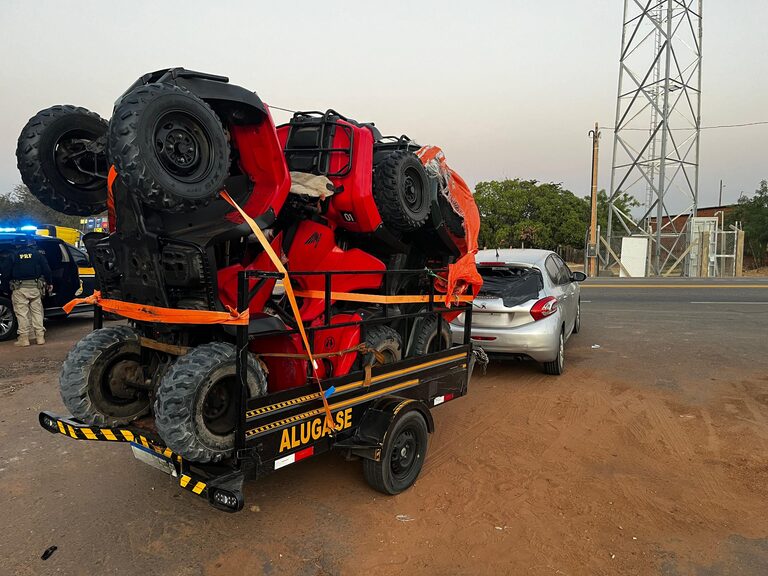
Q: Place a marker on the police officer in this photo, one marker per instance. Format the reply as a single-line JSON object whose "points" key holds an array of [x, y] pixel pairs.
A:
{"points": [[30, 278]]}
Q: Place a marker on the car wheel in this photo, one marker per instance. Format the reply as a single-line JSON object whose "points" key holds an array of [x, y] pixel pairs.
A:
{"points": [[577, 322], [557, 366], [7, 320]]}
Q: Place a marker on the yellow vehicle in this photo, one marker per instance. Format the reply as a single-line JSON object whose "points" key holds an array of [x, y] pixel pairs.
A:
{"points": [[69, 235]]}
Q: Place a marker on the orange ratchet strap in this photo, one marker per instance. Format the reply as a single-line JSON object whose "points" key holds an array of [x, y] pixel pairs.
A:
{"points": [[379, 299], [147, 313], [291, 298]]}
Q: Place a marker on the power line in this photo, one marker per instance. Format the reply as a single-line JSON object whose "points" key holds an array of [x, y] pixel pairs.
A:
{"points": [[702, 128]]}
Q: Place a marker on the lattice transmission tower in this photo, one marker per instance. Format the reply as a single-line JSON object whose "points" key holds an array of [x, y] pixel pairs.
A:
{"points": [[656, 133]]}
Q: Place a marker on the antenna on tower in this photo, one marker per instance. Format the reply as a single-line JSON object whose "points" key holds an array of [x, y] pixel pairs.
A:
{"points": [[658, 122]]}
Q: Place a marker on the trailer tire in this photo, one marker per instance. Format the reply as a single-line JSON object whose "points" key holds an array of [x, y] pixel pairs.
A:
{"points": [[54, 149], [96, 377], [196, 402], [426, 340], [402, 455], [169, 146], [401, 191], [386, 341]]}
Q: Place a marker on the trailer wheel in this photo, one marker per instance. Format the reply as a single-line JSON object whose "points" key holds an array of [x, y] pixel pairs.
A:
{"points": [[61, 155], [426, 339], [402, 456], [196, 402], [101, 378], [169, 146], [401, 191], [386, 341]]}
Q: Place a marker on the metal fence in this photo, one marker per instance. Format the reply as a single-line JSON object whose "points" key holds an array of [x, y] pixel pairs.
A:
{"points": [[703, 250]]}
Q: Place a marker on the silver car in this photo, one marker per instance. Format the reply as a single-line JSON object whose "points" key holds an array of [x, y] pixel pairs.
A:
{"points": [[529, 306]]}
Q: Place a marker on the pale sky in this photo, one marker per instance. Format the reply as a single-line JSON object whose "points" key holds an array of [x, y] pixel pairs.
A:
{"points": [[507, 88]]}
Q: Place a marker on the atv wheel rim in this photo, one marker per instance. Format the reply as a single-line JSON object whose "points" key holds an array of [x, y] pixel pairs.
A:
{"points": [[219, 406], [413, 191], [405, 451], [183, 146], [122, 380], [79, 157], [6, 320]]}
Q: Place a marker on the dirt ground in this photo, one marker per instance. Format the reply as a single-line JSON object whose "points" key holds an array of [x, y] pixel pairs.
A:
{"points": [[649, 456]]}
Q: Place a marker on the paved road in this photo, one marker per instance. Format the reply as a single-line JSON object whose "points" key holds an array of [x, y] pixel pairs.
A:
{"points": [[690, 293]]}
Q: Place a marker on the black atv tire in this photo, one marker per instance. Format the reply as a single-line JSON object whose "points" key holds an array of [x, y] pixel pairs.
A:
{"points": [[168, 146], [55, 163], [87, 383], [194, 423], [401, 191], [453, 221], [385, 340], [426, 340]]}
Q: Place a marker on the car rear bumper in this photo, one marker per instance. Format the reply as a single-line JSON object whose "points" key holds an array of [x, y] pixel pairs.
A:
{"points": [[538, 340]]}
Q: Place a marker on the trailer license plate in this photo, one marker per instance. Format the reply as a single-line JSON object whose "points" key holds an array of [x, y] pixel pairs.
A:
{"points": [[152, 458]]}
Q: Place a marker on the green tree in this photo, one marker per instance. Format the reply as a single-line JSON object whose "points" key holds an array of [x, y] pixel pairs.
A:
{"points": [[624, 202], [20, 207], [537, 215], [753, 215]]}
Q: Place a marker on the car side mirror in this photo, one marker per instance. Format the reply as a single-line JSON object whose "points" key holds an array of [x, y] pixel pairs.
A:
{"points": [[578, 276]]}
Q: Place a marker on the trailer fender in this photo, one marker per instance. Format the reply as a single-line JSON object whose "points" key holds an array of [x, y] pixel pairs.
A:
{"points": [[376, 423]]}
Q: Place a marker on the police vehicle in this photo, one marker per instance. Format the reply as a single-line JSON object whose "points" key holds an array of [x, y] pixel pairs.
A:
{"points": [[72, 276]]}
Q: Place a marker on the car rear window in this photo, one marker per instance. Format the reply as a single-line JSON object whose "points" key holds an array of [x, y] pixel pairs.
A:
{"points": [[513, 284]]}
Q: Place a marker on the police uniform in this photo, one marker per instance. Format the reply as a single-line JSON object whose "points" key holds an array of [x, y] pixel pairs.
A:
{"points": [[29, 276]]}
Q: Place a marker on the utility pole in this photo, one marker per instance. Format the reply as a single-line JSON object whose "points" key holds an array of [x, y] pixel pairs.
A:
{"points": [[592, 248], [720, 201]]}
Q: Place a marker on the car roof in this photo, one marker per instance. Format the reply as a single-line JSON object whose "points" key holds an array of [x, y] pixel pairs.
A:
{"points": [[529, 256], [12, 237]]}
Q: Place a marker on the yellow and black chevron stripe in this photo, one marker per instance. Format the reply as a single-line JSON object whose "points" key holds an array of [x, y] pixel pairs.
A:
{"points": [[111, 435], [192, 485]]}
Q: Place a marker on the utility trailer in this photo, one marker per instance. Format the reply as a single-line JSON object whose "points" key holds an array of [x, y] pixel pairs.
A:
{"points": [[381, 414]]}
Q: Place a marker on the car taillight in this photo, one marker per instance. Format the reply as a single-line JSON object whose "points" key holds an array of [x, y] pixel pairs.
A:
{"points": [[544, 307]]}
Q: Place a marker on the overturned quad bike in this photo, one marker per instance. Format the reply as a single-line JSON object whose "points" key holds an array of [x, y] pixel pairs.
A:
{"points": [[288, 289]]}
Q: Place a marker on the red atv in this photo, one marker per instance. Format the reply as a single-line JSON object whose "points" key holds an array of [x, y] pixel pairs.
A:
{"points": [[329, 194]]}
